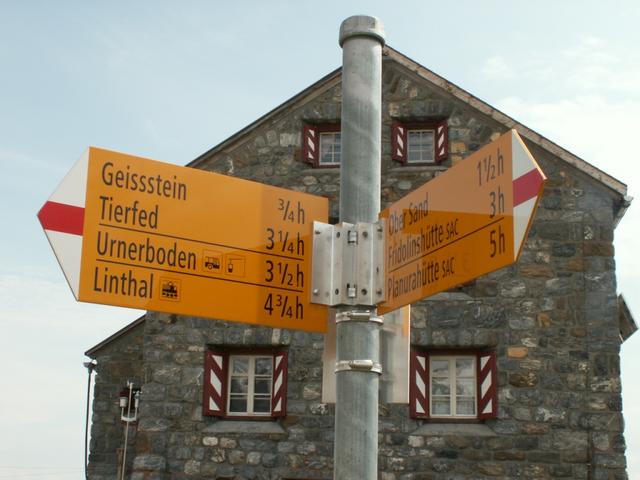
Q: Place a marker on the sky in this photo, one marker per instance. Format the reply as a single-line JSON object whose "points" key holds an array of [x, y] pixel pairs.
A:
{"points": [[169, 80]]}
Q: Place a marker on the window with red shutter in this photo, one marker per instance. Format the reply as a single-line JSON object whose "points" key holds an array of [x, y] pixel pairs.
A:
{"points": [[419, 385], [279, 392], [321, 144], [441, 141], [399, 142], [215, 383], [241, 384], [487, 385], [453, 385], [310, 144], [419, 143]]}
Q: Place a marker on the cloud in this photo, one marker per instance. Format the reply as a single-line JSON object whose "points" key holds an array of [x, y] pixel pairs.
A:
{"points": [[45, 333], [589, 64], [497, 68], [32, 299], [24, 162], [593, 126]]}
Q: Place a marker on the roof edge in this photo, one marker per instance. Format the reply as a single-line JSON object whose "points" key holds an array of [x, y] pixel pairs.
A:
{"points": [[616, 186], [611, 182], [91, 353], [327, 79], [626, 322]]}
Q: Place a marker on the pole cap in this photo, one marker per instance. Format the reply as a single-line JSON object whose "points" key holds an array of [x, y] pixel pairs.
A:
{"points": [[361, 26]]}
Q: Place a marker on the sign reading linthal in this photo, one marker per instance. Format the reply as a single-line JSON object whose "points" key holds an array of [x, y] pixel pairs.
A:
{"points": [[467, 222], [156, 236]]}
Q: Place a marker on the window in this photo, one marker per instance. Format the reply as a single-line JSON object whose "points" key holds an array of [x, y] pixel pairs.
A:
{"points": [[321, 145], [420, 146], [245, 384], [419, 143], [250, 382], [329, 149], [453, 385]]}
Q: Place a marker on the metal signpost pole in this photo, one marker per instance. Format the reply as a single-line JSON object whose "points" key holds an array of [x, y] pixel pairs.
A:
{"points": [[358, 327]]}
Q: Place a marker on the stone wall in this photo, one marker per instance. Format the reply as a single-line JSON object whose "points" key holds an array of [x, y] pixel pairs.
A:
{"points": [[552, 319], [175, 439], [118, 362]]}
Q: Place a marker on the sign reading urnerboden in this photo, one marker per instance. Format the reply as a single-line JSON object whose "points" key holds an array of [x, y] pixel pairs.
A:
{"points": [[139, 233]]}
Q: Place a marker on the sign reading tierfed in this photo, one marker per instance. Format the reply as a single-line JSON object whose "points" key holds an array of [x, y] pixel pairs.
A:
{"points": [[467, 222], [138, 233]]}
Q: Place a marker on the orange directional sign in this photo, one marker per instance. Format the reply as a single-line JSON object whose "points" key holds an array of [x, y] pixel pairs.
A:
{"points": [[467, 222], [137, 233]]}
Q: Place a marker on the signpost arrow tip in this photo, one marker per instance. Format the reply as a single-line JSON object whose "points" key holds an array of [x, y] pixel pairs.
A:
{"points": [[528, 182], [62, 218]]}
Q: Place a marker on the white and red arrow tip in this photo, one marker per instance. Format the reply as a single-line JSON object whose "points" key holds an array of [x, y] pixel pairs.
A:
{"points": [[62, 218], [528, 181]]}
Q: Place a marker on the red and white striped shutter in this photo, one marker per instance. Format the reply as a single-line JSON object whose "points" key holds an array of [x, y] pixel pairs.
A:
{"points": [[215, 383], [310, 144], [419, 385], [398, 142], [279, 393], [487, 385], [442, 141]]}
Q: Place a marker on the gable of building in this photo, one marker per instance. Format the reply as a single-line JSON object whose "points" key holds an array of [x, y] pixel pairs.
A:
{"points": [[410, 92]]}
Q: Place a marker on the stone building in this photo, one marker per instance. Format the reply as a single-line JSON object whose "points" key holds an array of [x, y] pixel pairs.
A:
{"points": [[229, 400]]}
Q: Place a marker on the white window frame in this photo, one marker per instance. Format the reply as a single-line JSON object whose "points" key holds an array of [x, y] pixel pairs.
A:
{"points": [[250, 394], [411, 147], [451, 359], [334, 148]]}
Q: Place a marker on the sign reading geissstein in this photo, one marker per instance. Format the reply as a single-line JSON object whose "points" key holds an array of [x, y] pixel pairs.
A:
{"points": [[175, 239], [467, 222]]}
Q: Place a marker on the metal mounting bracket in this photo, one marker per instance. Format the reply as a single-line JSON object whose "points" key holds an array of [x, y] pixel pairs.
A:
{"points": [[348, 264], [358, 365], [358, 316]]}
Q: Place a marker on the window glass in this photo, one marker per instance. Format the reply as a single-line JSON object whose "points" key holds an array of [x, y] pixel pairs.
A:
{"points": [[262, 386], [440, 368], [262, 405], [453, 386], [330, 148], [440, 407], [237, 405], [263, 365], [250, 384], [240, 365], [440, 386], [239, 385], [465, 387], [420, 146], [465, 407], [464, 367]]}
